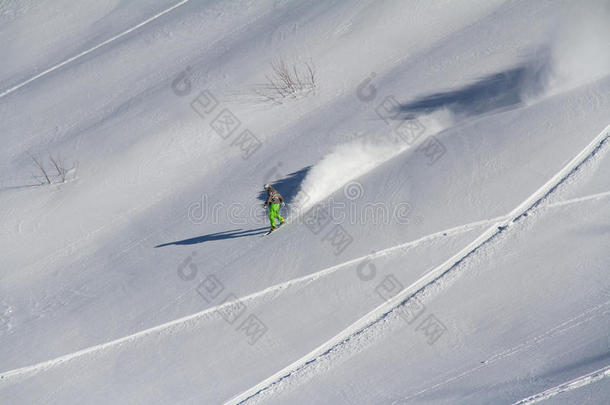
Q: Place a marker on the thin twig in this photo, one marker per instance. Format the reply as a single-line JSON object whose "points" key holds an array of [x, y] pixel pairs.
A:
{"points": [[42, 169], [61, 172]]}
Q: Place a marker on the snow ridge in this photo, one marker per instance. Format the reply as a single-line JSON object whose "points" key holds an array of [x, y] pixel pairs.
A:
{"points": [[430, 277], [300, 281], [88, 51], [571, 323], [567, 386]]}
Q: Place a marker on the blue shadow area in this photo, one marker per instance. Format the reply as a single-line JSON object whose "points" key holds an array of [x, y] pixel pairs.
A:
{"points": [[232, 234], [288, 186], [499, 91]]}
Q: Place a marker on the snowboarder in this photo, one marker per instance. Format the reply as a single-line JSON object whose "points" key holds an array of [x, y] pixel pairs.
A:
{"points": [[273, 200]]}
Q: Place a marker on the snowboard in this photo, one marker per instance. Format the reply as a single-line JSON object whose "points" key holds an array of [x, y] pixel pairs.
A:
{"points": [[276, 229]]}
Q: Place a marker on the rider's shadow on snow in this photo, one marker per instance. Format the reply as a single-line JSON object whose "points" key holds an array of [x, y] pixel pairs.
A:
{"points": [[232, 234], [288, 186], [504, 90]]}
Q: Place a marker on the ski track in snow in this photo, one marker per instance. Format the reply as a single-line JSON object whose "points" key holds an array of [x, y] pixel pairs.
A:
{"points": [[429, 278], [580, 199], [568, 386], [566, 325], [301, 281], [92, 49], [267, 291], [307, 363]]}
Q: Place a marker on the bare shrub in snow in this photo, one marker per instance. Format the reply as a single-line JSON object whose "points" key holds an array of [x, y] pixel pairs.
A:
{"points": [[59, 167], [56, 174], [288, 81], [43, 177]]}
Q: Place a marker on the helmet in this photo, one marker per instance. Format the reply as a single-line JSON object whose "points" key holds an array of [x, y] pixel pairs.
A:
{"points": [[267, 186]]}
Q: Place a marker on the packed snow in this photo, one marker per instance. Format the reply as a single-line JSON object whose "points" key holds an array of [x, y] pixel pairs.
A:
{"points": [[446, 170]]}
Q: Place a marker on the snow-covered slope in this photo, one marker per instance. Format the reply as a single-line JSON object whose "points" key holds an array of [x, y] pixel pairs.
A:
{"points": [[447, 183]]}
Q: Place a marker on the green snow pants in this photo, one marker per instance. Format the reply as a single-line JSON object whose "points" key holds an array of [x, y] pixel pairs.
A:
{"points": [[274, 213]]}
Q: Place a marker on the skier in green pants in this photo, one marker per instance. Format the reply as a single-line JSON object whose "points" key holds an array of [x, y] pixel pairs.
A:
{"points": [[273, 201]]}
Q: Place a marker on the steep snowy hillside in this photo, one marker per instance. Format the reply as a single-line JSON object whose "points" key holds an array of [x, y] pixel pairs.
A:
{"points": [[446, 172]]}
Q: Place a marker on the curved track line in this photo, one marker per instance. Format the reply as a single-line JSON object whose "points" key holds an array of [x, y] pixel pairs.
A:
{"points": [[557, 329], [430, 277], [35, 368], [580, 199], [269, 290], [88, 51], [568, 386]]}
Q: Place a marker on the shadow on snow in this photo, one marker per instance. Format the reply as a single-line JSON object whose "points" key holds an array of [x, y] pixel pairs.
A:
{"points": [[503, 90], [232, 234], [289, 186]]}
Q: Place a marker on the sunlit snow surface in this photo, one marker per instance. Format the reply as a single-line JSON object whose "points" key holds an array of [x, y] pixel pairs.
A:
{"points": [[447, 183]]}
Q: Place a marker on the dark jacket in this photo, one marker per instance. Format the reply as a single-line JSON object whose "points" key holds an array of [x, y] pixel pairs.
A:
{"points": [[273, 197]]}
